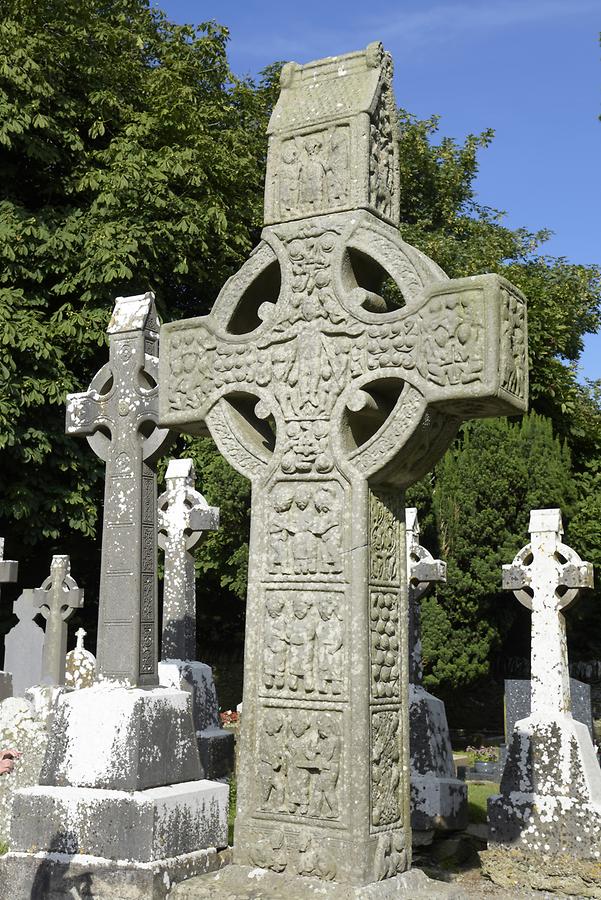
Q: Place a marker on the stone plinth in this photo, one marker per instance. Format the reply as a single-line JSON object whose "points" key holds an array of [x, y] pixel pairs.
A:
{"points": [[6, 685], [215, 744]]}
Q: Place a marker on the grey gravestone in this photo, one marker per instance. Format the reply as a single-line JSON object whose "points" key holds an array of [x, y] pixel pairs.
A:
{"points": [[80, 665], [517, 703], [57, 599], [24, 645], [122, 748], [438, 797], [549, 805], [331, 400], [183, 516], [8, 573]]}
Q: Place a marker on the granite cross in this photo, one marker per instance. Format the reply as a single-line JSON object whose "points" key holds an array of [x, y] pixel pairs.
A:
{"points": [[546, 576], [57, 599], [422, 571], [333, 371], [118, 415], [184, 515]]}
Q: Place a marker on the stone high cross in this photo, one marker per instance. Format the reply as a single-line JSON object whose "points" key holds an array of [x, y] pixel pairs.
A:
{"points": [[333, 371], [546, 576], [422, 571], [118, 415], [183, 516], [57, 599]]}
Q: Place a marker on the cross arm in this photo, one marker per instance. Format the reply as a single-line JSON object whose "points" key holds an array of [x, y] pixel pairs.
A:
{"points": [[576, 575], [515, 578], [430, 570]]}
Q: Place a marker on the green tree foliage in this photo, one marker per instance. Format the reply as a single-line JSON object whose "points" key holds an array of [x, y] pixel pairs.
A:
{"points": [[484, 490]]}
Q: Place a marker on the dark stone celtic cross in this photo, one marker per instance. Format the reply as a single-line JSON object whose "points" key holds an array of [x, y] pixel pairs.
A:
{"points": [[333, 371], [118, 415]]}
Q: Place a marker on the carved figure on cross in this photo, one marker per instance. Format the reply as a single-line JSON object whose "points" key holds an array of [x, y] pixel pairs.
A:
{"points": [[184, 515], [57, 599], [546, 577], [118, 415]]}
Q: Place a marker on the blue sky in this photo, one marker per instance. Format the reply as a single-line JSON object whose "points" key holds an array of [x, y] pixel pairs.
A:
{"points": [[527, 68]]}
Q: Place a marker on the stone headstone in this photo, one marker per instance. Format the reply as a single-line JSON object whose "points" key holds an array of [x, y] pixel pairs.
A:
{"points": [[80, 665], [24, 645], [57, 599], [331, 399], [124, 748], [517, 703], [438, 797], [548, 810], [8, 573]]}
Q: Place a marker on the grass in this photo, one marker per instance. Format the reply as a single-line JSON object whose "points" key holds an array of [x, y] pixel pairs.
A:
{"points": [[3, 848], [477, 795], [232, 811]]}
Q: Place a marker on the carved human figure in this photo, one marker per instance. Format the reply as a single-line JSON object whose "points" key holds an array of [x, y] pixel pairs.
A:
{"points": [[313, 173], [299, 763], [275, 649], [324, 798], [301, 638], [289, 183], [281, 530], [272, 762], [304, 542], [330, 640], [327, 527]]}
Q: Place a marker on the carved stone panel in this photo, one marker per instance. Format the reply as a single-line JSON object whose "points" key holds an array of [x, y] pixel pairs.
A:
{"points": [[304, 644], [386, 769], [300, 756]]}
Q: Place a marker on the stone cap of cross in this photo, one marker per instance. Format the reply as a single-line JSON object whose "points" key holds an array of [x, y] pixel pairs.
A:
{"points": [[80, 635], [422, 569], [59, 592], [182, 509], [9, 568], [546, 568], [122, 398]]}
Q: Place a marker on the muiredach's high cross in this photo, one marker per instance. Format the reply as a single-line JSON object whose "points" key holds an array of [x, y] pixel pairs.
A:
{"points": [[331, 398]]}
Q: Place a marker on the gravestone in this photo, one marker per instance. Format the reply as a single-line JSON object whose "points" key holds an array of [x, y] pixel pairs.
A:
{"points": [[57, 599], [548, 811], [8, 573], [184, 515], [517, 703], [331, 395], [24, 645], [438, 797], [80, 665], [121, 794]]}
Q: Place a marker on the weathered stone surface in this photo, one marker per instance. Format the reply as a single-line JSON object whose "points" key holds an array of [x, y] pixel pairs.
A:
{"points": [[184, 515], [24, 646], [550, 796], [6, 685], [215, 744], [118, 415], [517, 703], [54, 876], [157, 823], [80, 665], [22, 729], [438, 797], [331, 399], [109, 737], [557, 874], [57, 598]]}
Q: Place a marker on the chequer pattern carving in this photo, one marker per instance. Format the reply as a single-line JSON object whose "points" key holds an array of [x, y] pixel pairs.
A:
{"points": [[305, 527], [385, 768], [303, 643], [299, 758]]}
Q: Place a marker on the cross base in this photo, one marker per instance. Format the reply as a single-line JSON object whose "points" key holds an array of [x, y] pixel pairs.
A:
{"points": [[243, 882], [28, 876], [550, 796], [438, 797]]}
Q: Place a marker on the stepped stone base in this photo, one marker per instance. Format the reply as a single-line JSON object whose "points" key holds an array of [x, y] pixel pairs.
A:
{"points": [[245, 883], [559, 874], [55, 876]]}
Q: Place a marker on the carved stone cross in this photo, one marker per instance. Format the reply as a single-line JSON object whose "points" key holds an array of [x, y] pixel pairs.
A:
{"points": [[546, 576], [422, 571], [333, 371], [57, 598], [118, 415], [183, 516]]}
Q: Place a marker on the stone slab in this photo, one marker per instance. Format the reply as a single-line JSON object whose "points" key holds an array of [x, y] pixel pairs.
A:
{"points": [[142, 826], [217, 748], [245, 883], [439, 803], [146, 740], [517, 703], [54, 876], [6, 685]]}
